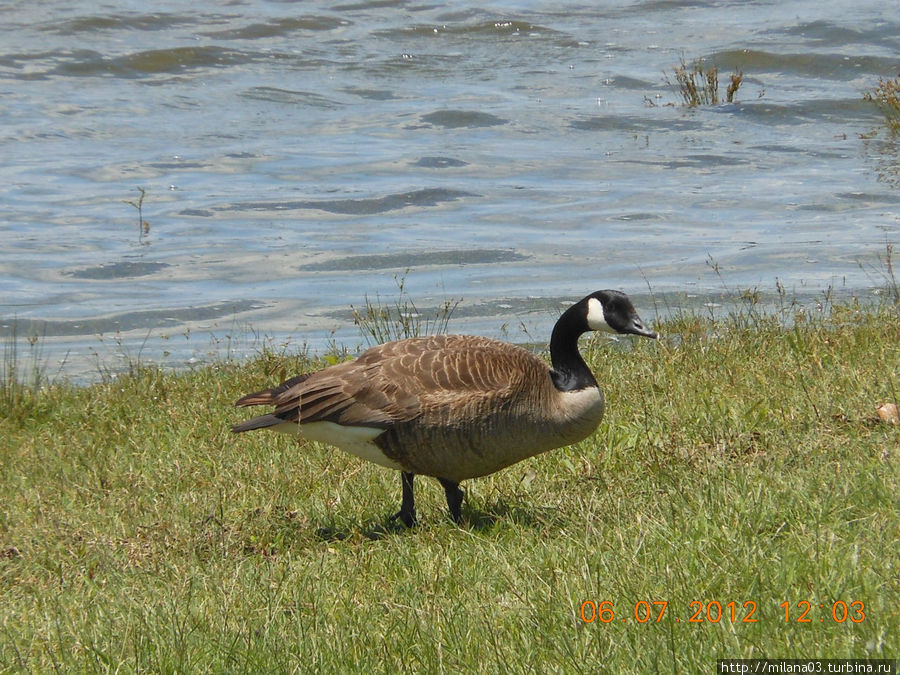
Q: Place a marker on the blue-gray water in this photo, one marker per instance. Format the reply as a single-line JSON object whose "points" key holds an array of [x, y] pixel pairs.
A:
{"points": [[297, 157]]}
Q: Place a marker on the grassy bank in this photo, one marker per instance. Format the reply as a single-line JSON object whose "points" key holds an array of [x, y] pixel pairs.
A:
{"points": [[740, 462]]}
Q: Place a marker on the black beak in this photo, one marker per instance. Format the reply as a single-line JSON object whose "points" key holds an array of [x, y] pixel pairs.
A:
{"points": [[636, 327]]}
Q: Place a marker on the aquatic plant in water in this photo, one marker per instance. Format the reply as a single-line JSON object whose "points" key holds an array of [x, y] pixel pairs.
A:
{"points": [[143, 225], [887, 97], [700, 86], [885, 150]]}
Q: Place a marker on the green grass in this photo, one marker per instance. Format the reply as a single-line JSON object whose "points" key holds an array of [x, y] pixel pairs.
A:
{"points": [[20, 382], [740, 461]]}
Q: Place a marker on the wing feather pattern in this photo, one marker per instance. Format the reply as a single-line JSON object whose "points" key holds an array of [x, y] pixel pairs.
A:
{"points": [[440, 376]]}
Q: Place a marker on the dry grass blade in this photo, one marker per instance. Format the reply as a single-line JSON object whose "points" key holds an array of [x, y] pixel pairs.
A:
{"points": [[736, 79]]}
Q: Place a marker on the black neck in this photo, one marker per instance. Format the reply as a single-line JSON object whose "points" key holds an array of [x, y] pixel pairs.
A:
{"points": [[570, 372]]}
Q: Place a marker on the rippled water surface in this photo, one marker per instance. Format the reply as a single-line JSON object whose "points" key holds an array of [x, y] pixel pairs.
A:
{"points": [[299, 157]]}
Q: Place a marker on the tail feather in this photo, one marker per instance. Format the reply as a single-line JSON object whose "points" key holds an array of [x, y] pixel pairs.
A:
{"points": [[257, 423], [270, 396], [264, 397]]}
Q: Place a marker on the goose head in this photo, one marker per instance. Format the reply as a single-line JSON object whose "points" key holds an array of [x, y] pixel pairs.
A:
{"points": [[607, 311], [612, 312]]}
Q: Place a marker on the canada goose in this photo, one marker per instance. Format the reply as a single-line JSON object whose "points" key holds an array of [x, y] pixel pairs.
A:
{"points": [[452, 406]]}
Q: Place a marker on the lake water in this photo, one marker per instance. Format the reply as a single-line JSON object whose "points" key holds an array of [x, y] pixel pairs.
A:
{"points": [[297, 158]]}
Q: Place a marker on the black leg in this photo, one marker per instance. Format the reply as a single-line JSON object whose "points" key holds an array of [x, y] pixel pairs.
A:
{"points": [[454, 498], [407, 512]]}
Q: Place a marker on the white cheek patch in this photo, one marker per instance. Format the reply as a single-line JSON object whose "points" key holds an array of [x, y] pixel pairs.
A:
{"points": [[596, 318]]}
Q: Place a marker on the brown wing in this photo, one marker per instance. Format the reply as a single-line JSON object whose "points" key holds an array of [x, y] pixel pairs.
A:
{"points": [[397, 381]]}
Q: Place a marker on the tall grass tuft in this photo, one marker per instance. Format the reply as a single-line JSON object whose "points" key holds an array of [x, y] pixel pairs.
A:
{"points": [[379, 323], [884, 276], [20, 383], [891, 282], [699, 85]]}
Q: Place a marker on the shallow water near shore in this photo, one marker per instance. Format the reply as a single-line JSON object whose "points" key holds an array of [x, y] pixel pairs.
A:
{"points": [[299, 159]]}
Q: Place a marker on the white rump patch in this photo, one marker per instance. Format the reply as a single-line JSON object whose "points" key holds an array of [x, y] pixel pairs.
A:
{"points": [[596, 318], [289, 428], [357, 441]]}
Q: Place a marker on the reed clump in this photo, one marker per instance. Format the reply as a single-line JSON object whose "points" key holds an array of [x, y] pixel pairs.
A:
{"points": [[699, 84], [887, 97]]}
